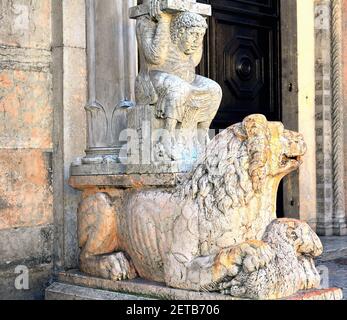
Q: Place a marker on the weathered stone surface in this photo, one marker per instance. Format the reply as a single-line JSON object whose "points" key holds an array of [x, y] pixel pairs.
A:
{"points": [[25, 23], [69, 98], [324, 294], [74, 20], [125, 181], [114, 168], [294, 245], [172, 6], [26, 109], [24, 59], [62, 291], [344, 75], [39, 279], [147, 290], [26, 246], [217, 230], [25, 188], [138, 287], [75, 96], [26, 122]]}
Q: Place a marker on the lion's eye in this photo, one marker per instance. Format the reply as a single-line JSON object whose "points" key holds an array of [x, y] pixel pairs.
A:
{"points": [[294, 236]]}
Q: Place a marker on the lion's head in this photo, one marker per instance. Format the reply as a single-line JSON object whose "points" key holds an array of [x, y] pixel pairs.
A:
{"points": [[297, 234], [239, 160]]}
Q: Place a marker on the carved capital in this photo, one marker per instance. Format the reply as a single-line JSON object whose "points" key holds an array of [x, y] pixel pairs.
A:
{"points": [[172, 6]]}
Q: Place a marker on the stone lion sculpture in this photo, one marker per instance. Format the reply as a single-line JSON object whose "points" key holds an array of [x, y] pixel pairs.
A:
{"points": [[294, 245], [210, 230]]}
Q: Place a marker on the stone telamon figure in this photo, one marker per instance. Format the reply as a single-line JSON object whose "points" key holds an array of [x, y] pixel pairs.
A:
{"points": [[171, 47]]}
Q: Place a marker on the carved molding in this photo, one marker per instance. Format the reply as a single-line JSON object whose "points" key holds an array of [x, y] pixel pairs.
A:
{"points": [[339, 222]]}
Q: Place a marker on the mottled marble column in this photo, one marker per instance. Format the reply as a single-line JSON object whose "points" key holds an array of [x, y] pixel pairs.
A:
{"points": [[112, 68]]}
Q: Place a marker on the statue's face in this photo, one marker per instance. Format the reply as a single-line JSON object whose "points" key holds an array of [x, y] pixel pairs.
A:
{"points": [[191, 39]]}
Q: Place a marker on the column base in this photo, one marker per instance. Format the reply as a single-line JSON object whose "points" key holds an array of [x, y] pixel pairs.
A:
{"points": [[340, 230], [324, 229], [101, 155]]}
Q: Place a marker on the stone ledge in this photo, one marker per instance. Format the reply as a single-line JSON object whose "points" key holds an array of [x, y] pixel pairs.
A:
{"points": [[143, 288], [114, 168], [62, 291], [125, 181], [173, 6]]}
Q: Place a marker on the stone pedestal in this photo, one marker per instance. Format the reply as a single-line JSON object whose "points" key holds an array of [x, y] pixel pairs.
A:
{"points": [[212, 230], [147, 143], [75, 286], [150, 221]]}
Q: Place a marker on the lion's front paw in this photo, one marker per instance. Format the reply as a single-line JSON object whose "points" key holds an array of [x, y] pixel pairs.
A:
{"points": [[256, 254], [248, 256], [116, 267]]}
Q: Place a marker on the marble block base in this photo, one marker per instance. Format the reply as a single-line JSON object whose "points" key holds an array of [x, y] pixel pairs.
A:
{"points": [[141, 289], [114, 168], [124, 181]]}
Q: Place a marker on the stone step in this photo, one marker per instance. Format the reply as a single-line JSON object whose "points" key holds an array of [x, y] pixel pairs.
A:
{"points": [[334, 248], [63, 291], [139, 289]]}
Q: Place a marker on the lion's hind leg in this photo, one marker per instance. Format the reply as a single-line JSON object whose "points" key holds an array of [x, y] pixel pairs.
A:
{"points": [[97, 235]]}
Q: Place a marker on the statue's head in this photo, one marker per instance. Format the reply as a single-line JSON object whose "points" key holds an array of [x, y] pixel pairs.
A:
{"points": [[187, 31]]}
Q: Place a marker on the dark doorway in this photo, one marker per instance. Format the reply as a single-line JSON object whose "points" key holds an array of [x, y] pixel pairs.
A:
{"points": [[243, 53]]}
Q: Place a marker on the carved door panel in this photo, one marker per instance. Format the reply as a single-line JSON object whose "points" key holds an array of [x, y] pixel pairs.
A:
{"points": [[242, 55]]}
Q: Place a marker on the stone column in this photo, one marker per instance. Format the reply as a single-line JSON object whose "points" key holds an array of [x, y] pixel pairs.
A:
{"points": [[329, 119], [69, 95], [323, 118], [339, 218], [112, 68]]}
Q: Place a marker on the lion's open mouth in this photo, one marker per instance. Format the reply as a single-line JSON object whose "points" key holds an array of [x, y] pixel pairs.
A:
{"points": [[290, 159]]}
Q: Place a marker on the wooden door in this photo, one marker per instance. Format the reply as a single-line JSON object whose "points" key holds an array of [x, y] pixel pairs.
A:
{"points": [[242, 53]]}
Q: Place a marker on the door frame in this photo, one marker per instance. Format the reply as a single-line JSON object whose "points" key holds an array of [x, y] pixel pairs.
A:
{"points": [[298, 103]]}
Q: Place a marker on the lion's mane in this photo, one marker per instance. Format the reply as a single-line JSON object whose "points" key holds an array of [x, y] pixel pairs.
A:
{"points": [[233, 168]]}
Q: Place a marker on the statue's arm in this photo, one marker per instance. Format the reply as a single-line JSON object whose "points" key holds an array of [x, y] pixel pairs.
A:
{"points": [[154, 39]]}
